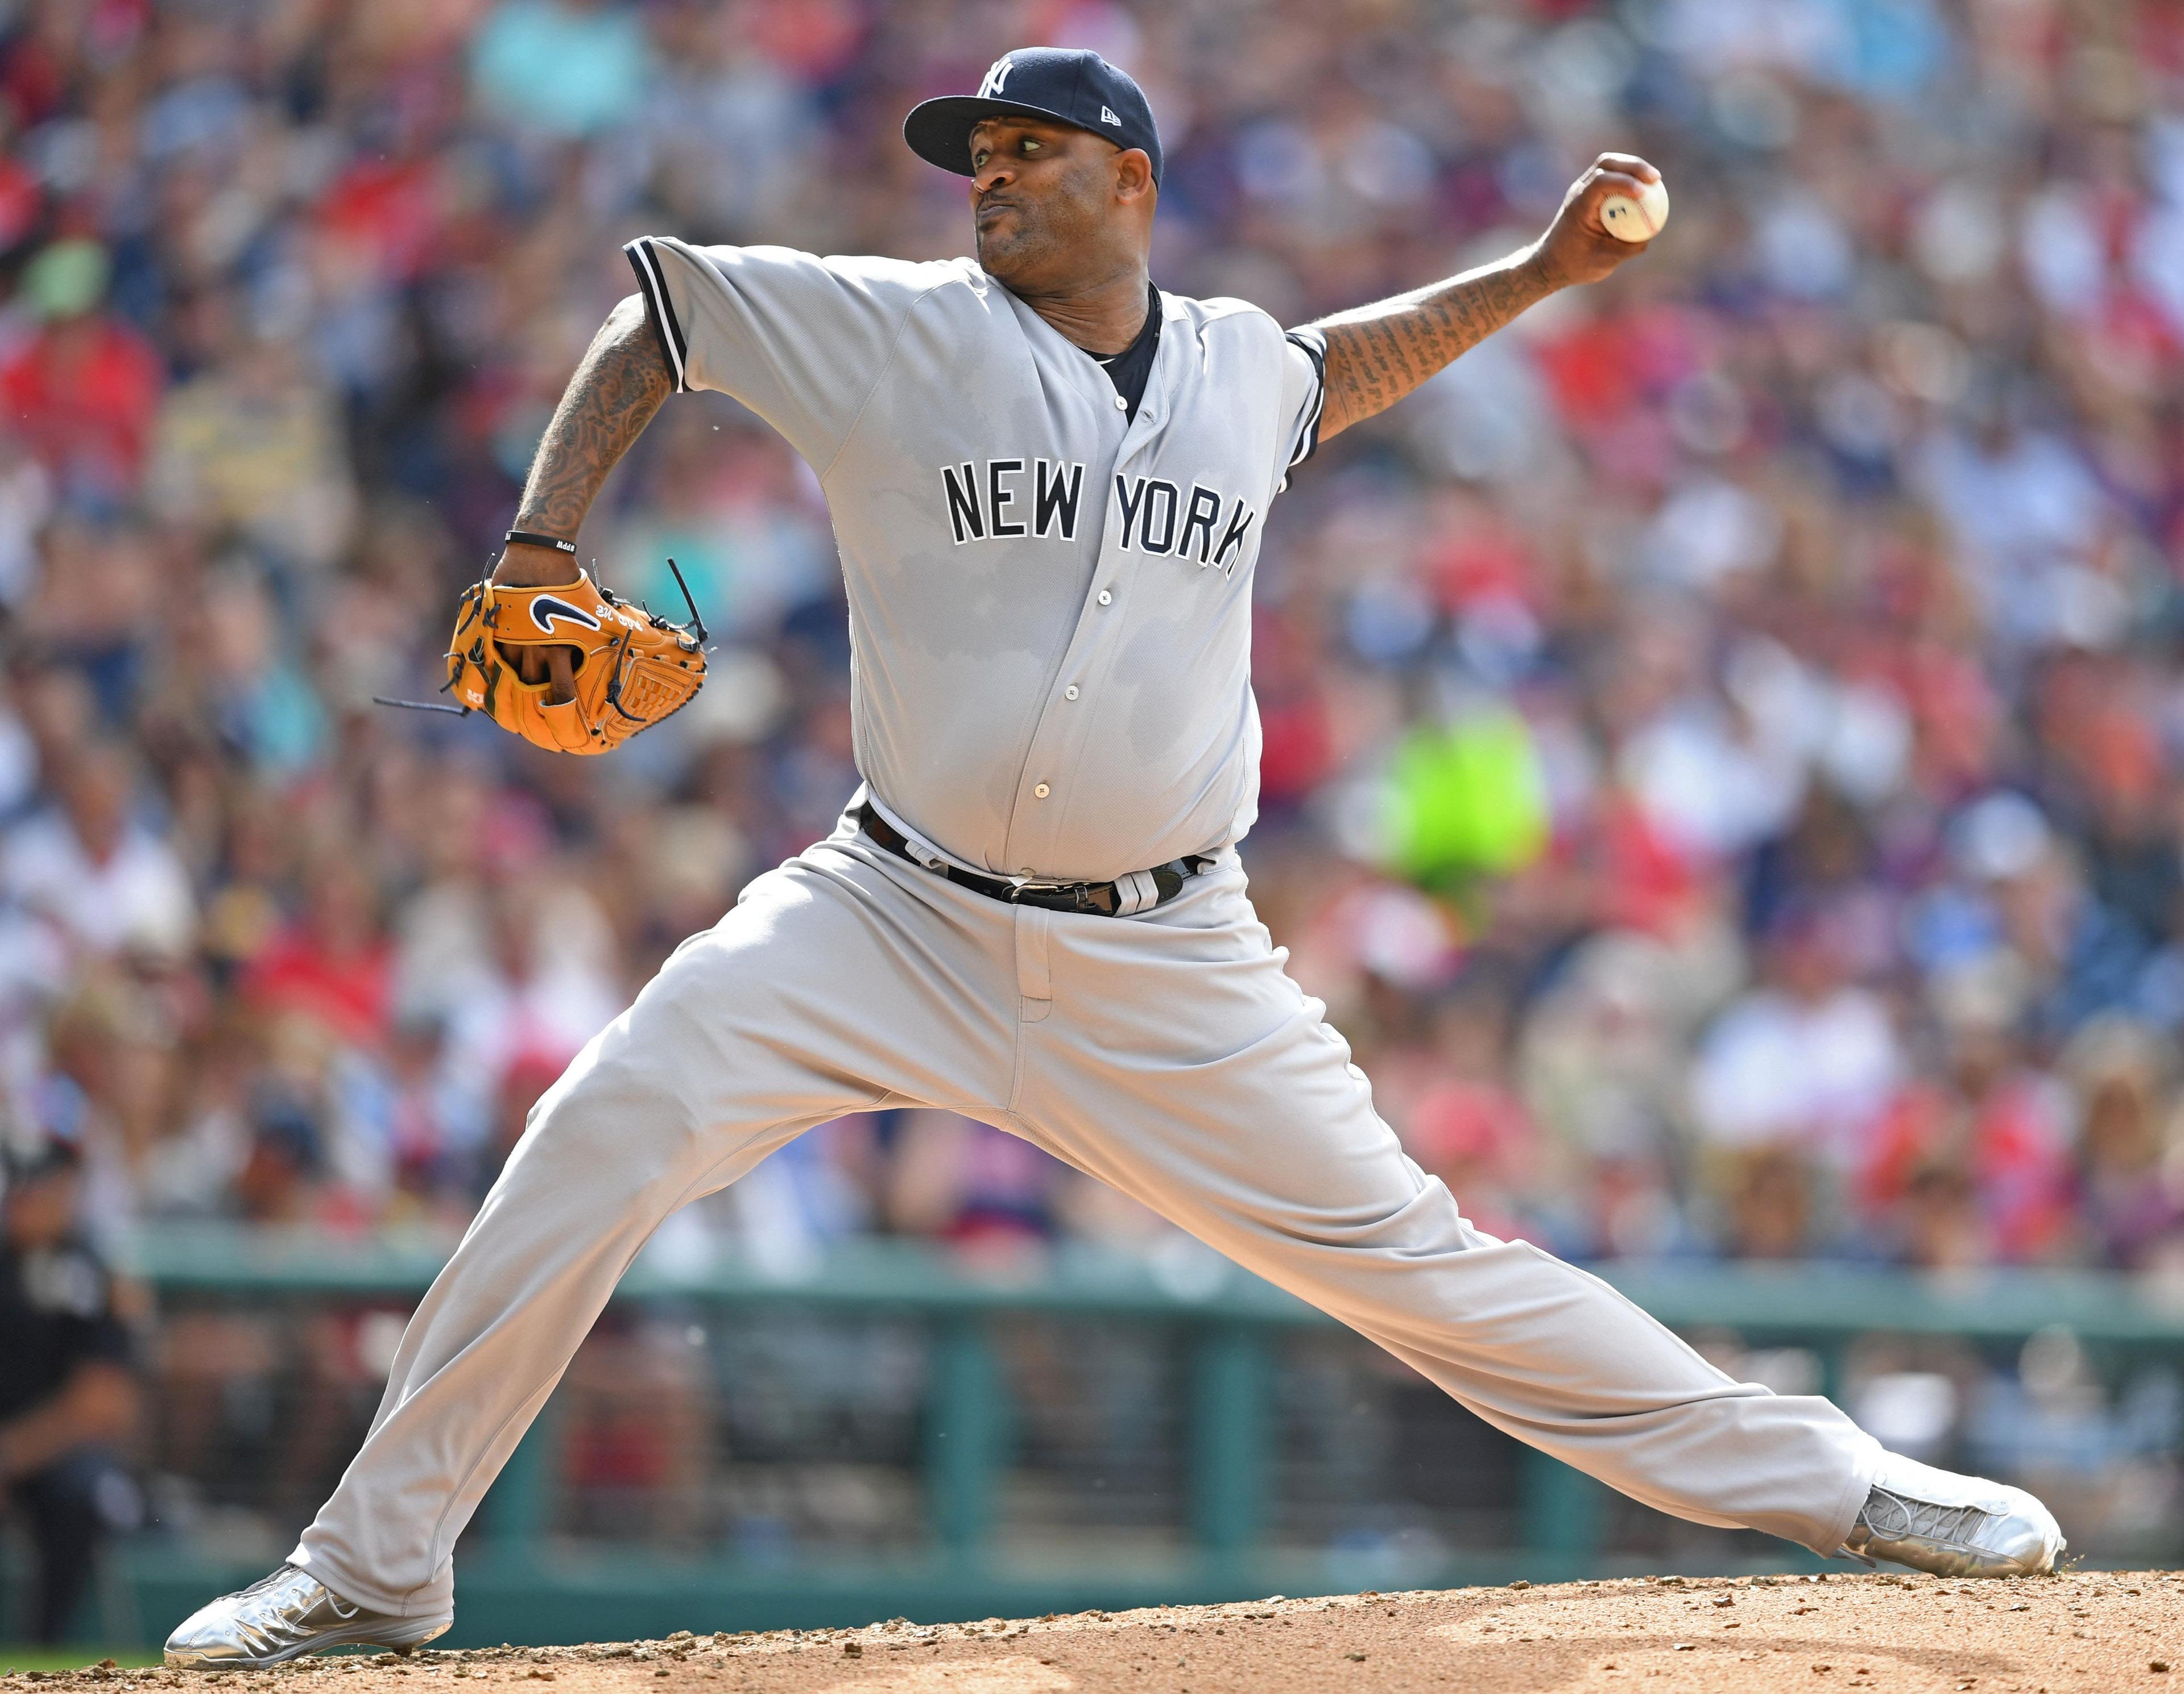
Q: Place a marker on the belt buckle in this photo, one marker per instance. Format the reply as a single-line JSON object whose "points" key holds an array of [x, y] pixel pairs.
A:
{"points": [[1064, 897], [1086, 897]]}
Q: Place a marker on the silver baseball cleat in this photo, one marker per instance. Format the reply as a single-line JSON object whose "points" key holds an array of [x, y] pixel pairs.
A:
{"points": [[1951, 1525], [286, 1615]]}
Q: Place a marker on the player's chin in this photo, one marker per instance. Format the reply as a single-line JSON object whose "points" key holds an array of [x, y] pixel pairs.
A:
{"points": [[1011, 242], [1002, 255]]}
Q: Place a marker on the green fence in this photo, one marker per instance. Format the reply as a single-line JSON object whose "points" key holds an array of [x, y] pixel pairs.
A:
{"points": [[514, 1586]]}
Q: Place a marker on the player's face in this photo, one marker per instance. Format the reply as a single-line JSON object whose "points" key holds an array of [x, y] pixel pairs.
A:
{"points": [[37, 1213], [1050, 201]]}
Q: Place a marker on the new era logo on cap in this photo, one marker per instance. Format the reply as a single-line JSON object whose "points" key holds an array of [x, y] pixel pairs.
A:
{"points": [[1069, 84]]}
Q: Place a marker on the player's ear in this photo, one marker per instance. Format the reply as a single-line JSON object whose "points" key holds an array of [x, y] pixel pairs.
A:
{"points": [[1133, 174]]}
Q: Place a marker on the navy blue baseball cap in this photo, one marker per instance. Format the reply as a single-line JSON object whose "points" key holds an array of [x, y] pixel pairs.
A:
{"points": [[1072, 85]]}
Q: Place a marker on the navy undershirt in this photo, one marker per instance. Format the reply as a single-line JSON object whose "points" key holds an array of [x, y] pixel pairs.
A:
{"points": [[1128, 368]]}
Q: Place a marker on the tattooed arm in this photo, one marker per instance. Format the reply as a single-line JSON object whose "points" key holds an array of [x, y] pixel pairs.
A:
{"points": [[1378, 354], [615, 390]]}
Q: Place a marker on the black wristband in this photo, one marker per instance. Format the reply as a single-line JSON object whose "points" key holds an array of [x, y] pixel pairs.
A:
{"points": [[531, 537]]}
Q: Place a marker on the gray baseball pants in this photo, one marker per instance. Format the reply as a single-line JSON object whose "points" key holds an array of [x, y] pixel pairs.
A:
{"points": [[1165, 1054]]}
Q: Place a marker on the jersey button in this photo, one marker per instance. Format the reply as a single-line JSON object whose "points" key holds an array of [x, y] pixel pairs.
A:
{"points": [[1070, 693], [1041, 791], [1106, 599], [1121, 405]]}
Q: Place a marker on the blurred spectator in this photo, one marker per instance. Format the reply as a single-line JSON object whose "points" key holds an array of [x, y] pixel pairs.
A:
{"points": [[1768, 1203], [257, 703], [1969, 1163], [2128, 1207], [93, 868], [1461, 1121], [988, 1193], [564, 68], [428, 1129], [254, 445], [84, 384], [537, 996], [332, 965], [1806, 1059], [68, 1398]]}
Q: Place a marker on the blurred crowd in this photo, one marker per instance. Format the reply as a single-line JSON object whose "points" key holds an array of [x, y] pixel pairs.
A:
{"points": [[1721, 736]]}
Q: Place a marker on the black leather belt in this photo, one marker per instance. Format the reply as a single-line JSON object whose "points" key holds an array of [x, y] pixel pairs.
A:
{"points": [[1124, 897]]}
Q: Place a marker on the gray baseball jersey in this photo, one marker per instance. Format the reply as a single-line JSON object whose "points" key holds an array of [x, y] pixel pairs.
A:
{"points": [[1048, 607], [1049, 603]]}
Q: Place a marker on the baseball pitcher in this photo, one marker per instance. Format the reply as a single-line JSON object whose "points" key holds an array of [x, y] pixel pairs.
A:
{"points": [[1050, 481]]}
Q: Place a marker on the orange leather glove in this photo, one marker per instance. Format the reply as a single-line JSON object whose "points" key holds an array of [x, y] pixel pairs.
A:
{"points": [[629, 667]]}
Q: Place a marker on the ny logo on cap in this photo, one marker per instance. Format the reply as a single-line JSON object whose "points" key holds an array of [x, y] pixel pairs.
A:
{"points": [[996, 77]]}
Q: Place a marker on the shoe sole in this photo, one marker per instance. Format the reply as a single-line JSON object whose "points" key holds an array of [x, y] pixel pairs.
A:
{"points": [[401, 1639], [2044, 1567]]}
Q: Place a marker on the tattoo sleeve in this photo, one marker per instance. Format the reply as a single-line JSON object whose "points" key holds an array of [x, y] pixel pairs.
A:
{"points": [[1378, 354], [617, 389]]}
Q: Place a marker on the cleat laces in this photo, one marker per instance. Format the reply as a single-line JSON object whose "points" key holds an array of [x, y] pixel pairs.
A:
{"points": [[1891, 1516]]}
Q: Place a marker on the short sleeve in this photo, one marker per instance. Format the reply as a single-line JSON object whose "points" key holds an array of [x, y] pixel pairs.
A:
{"points": [[801, 340], [78, 1300], [1304, 395]]}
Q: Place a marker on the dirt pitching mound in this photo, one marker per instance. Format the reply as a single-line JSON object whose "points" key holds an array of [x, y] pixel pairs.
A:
{"points": [[1903, 1635]]}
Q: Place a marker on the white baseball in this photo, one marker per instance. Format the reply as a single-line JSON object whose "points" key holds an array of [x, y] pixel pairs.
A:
{"points": [[1638, 220]]}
